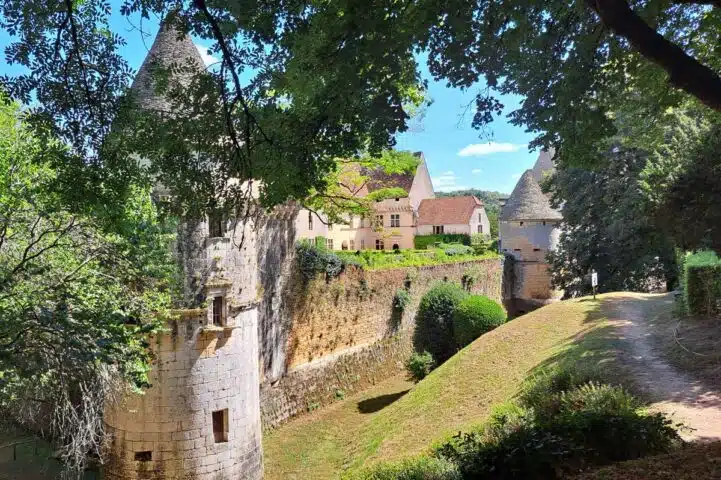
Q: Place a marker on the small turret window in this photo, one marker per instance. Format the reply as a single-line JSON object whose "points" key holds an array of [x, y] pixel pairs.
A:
{"points": [[220, 426], [520, 224], [218, 313]]}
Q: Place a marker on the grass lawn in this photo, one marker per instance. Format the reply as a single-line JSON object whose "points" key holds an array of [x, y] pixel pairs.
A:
{"points": [[457, 395]]}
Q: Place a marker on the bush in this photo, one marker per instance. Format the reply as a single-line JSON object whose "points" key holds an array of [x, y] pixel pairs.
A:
{"points": [[702, 283], [474, 316], [560, 432], [420, 365], [401, 300], [421, 242], [453, 249], [421, 468], [434, 320], [313, 260]]}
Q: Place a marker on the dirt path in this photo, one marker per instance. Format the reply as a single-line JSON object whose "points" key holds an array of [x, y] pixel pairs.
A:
{"points": [[672, 391]]}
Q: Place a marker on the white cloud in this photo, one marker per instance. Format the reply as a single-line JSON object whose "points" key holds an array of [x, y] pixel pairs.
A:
{"points": [[480, 149], [207, 58], [446, 182], [476, 171]]}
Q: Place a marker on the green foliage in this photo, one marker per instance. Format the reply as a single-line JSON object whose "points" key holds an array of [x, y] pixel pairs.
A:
{"points": [[82, 291], [702, 283], [434, 320], [452, 250], [419, 365], [607, 228], [383, 259], [421, 468], [474, 316], [313, 260], [339, 394], [562, 433], [422, 242], [386, 193], [320, 242], [401, 300]]}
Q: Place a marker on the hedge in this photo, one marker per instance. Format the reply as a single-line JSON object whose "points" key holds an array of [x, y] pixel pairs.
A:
{"points": [[474, 316], [421, 242], [701, 283]]}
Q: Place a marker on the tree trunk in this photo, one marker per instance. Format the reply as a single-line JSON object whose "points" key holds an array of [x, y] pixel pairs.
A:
{"points": [[685, 72]]}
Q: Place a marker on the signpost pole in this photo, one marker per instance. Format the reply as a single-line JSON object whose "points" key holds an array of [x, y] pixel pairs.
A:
{"points": [[594, 282]]}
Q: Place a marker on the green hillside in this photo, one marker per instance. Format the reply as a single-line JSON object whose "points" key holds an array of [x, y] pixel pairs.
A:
{"points": [[397, 419]]}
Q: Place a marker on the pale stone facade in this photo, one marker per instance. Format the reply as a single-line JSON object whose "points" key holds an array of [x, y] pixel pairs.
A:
{"points": [[392, 225], [529, 228]]}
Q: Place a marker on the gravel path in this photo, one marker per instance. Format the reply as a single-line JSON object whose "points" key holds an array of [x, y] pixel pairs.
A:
{"points": [[672, 391]]}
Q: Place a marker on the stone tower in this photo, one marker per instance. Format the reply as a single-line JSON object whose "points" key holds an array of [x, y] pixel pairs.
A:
{"points": [[529, 228], [200, 419]]}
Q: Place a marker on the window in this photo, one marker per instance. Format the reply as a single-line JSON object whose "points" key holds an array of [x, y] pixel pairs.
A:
{"points": [[220, 426], [352, 244], [379, 244], [329, 243], [396, 247], [310, 220], [480, 228], [363, 244], [218, 316], [216, 225], [437, 229], [330, 227], [544, 222], [398, 199], [396, 220], [379, 221], [520, 224], [480, 218], [146, 456], [536, 249], [344, 245], [362, 222]]}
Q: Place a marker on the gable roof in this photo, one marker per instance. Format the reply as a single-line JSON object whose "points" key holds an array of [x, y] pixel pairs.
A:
{"points": [[169, 47], [528, 202], [447, 210]]}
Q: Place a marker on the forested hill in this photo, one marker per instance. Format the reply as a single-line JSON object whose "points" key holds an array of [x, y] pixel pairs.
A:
{"points": [[490, 199]]}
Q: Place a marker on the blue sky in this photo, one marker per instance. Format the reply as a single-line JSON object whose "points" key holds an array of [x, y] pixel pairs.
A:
{"points": [[457, 155]]}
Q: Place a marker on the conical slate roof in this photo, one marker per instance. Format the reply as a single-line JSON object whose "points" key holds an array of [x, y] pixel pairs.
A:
{"points": [[544, 164], [528, 202], [170, 47]]}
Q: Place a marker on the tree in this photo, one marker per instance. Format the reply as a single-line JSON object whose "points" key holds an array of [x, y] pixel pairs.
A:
{"points": [[78, 299], [607, 227], [335, 79], [682, 182]]}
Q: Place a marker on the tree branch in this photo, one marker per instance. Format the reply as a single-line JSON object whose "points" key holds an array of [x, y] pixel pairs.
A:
{"points": [[685, 72]]}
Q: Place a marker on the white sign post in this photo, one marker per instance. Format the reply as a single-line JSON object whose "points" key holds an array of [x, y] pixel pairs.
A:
{"points": [[594, 282]]}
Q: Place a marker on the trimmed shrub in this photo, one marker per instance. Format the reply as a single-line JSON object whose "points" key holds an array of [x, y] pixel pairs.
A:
{"points": [[312, 260], [474, 316], [421, 242], [434, 320], [320, 242], [421, 468], [702, 283], [420, 365]]}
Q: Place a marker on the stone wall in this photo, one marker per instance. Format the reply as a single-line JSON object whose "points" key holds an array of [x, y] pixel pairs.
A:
{"points": [[168, 433], [344, 334]]}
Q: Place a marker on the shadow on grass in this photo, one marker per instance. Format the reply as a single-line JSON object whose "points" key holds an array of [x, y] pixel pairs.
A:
{"points": [[372, 405]]}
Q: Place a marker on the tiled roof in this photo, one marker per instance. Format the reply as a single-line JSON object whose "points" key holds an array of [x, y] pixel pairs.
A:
{"points": [[528, 202], [447, 210], [169, 48]]}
